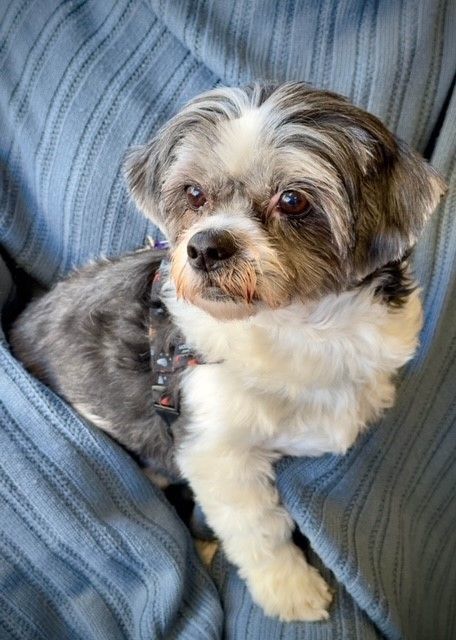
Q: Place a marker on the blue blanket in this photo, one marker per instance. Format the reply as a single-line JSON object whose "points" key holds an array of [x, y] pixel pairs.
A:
{"points": [[89, 548]]}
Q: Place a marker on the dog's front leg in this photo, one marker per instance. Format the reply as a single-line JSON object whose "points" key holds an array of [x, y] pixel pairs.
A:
{"points": [[236, 489]]}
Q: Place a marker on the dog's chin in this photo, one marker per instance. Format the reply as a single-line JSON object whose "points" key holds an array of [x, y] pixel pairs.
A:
{"points": [[222, 306]]}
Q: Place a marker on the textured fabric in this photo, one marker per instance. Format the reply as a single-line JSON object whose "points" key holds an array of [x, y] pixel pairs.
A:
{"points": [[88, 548]]}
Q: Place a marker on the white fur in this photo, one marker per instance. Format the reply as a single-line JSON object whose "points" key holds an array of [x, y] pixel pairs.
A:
{"points": [[302, 380], [237, 139]]}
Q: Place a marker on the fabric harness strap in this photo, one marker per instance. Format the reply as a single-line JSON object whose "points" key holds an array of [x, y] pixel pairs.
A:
{"points": [[169, 355]]}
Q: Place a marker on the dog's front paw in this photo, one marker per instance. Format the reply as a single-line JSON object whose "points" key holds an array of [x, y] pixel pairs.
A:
{"points": [[290, 589]]}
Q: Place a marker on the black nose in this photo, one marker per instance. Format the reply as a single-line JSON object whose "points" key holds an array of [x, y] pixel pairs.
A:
{"points": [[207, 250]]}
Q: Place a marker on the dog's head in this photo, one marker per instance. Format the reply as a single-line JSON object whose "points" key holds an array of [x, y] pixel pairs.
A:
{"points": [[271, 194]]}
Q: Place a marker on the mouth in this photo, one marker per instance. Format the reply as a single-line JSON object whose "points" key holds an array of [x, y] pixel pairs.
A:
{"points": [[222, 306], [215, 294], [234, 283], [220, 303]]}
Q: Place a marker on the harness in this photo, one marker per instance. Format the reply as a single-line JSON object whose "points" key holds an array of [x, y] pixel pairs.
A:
{"points": [[169, 354]]}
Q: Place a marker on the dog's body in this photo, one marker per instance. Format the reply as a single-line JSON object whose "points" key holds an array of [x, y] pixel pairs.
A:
{"points": [[88, 340], [289, 213]]}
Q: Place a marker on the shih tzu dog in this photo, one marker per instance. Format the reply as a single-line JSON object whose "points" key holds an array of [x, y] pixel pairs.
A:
{"points": [[277, 320]]}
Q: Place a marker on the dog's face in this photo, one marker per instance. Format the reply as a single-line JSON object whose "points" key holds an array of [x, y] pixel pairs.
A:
{"points": [[272, 194]]}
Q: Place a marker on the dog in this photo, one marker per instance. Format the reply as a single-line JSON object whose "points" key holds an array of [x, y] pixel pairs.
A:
{"points": [[290, 216]]}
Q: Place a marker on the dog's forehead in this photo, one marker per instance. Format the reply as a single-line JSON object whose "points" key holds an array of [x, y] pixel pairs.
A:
{"points": [[247, 155], [262, 147], [241, 142], [232, 157]]}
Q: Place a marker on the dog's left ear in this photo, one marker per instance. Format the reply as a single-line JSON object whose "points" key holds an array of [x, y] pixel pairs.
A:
{"points": [[400, 192]]}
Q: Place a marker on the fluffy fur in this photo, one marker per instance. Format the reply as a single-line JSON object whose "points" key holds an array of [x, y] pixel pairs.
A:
{"points": [[306, 322]]}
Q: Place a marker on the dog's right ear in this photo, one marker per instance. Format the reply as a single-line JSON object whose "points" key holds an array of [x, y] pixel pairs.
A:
{"points": [[141, 169], [145, 166]]}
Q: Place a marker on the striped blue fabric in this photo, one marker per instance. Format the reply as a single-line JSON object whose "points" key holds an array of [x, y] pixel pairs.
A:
{"points": [[88, 547]]}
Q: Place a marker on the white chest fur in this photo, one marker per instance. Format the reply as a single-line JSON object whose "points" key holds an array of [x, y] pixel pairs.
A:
{"points": [[298, 381], [303, 380]]}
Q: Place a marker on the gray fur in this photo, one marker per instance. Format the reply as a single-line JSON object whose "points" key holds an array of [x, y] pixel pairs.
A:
{"points": [[370, 196], [87, 339]]}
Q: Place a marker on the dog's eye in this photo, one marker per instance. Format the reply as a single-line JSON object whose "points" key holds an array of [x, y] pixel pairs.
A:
{"points": [[196, 197], [292, 202]]}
